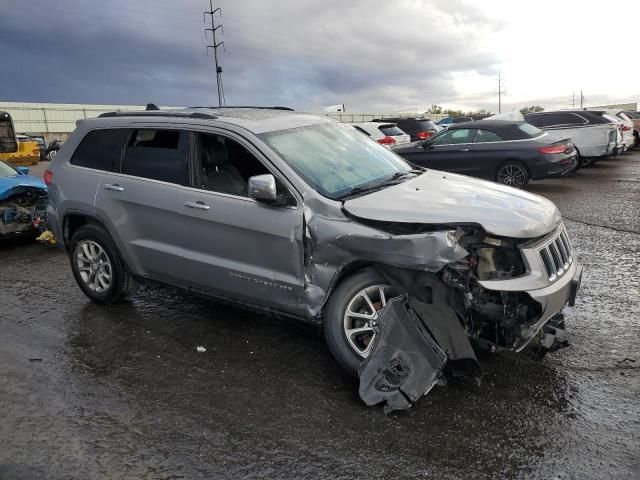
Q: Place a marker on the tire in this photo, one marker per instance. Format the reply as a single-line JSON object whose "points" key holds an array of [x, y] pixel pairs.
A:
{"points": [[97, 266], [52, 154], [336, 319], [513, 173]]}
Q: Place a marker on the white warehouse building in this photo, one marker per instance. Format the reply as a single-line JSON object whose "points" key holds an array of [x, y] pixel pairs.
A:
{"points": [[55, 119]]}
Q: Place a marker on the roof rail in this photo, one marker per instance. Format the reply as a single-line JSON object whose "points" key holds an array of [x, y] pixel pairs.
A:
{"points": [[250, 106], [158, 113]]}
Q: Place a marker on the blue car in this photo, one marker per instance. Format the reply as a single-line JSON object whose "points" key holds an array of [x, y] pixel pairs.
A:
{"points": [[23, 202]]}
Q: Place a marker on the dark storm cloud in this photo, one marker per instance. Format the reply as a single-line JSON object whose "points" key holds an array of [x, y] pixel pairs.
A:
{"points": [[367, 54]]}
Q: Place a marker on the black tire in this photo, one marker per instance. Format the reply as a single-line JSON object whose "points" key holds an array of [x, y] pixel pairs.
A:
{"points": [[121, 283], [514, 172], [334, 314]]}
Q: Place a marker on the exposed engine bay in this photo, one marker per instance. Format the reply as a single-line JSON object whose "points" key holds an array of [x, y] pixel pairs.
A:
{"points": [[23, 213]]}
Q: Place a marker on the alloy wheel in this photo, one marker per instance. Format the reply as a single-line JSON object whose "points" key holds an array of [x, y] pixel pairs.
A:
{"points": [[94, 266], [512, 175], [360, 323]]}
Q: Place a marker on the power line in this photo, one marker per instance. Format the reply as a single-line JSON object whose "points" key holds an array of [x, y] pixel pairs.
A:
{"points": [[215, 47]]}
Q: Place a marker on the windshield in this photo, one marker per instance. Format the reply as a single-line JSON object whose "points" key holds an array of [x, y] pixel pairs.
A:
{"points": [[6, 170], [335, 158]]}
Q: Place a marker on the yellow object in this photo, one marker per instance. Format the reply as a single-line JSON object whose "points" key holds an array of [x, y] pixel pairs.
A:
{"points": [[28, 154], [47, 238]]}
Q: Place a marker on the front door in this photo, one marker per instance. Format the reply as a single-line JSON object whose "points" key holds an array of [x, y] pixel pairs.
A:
{"points": [[450, 151], [236, 246]]}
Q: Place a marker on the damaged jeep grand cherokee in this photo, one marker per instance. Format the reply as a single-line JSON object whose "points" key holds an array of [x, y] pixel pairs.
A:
{"points": [[300, 215]]}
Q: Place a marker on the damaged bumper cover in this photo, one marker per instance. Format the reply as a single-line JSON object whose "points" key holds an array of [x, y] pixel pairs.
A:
{"points": [[405, 362]]}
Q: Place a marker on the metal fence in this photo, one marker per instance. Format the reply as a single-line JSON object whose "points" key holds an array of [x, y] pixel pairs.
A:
{"points": [[59, 119]]}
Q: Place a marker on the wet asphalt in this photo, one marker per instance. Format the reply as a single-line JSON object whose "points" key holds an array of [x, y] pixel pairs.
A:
{"points": [[121, 392]]}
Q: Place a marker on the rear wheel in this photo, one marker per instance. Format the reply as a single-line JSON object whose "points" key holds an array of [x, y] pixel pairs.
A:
{"points": [[514, 174], [97, 266], [351, 317]]}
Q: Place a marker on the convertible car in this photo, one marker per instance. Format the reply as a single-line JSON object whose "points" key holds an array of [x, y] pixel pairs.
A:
{"points": [[508, 152]]}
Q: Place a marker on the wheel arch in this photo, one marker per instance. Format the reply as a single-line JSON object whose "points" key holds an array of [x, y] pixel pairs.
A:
{"points": [[74, 220], [341, 275]]}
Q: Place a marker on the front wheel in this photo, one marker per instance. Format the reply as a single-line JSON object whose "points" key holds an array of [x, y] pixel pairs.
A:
{"points": [[351, 317], [513, 174], [52, 154]]}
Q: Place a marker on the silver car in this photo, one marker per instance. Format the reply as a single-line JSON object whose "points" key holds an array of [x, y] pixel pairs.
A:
{"points": [[303, 216]]}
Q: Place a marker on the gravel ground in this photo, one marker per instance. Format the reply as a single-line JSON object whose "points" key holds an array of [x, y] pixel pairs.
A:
{"points": [[121, 392]]}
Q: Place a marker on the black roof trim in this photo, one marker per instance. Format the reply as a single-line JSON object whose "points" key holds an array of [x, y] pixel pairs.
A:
{"points": [[231, 107], [158, 113]]}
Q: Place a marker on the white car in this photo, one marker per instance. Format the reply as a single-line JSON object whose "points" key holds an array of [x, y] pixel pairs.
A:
{"points": [[387, 134], [593, 136], [627, 127]]}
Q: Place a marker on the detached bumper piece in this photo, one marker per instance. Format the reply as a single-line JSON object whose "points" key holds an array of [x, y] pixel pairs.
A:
{"points": [[405, 361]]}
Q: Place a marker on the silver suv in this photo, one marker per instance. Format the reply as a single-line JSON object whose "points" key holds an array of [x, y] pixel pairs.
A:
{"points": [[300, 215]]}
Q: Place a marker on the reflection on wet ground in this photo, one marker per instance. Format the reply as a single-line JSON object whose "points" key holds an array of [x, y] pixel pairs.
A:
{"points": [[121, 392]]}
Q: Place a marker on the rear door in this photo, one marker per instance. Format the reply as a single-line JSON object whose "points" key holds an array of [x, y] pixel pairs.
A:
{"points": [[142, 203]]}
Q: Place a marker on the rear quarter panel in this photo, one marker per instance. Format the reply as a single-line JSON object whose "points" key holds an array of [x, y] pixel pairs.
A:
{"points": [[73, 189]]}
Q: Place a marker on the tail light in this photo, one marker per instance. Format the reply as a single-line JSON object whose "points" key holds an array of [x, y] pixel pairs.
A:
{"points": [[36, 151], [423, 135], [387, 140], [48, 177], [626, 128], [554, 149]]}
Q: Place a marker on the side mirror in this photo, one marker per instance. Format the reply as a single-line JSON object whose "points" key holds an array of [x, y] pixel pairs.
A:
{"points": [[263, 188], [23, 170]]}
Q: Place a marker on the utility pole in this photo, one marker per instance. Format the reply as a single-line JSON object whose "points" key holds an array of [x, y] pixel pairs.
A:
{"points": [[215, 47], [581, 100], [500, 93], [573, 100]]}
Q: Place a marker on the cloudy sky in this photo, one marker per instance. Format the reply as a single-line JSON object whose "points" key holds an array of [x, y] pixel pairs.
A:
{"points": [[370, 55]]}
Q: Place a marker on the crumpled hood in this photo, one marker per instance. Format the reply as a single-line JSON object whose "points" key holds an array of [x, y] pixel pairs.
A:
{"points": [[439, 197], [16, 184]]}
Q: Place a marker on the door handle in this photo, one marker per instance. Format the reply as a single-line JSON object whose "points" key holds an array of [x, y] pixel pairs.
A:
{"points": [[199, 205], [463, 150], [115, 187]]}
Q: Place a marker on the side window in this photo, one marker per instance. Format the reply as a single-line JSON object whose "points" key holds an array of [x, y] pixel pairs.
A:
{"points": [[453, 137], [158, 155], [225, 166], [101, 149], [484, 136]]}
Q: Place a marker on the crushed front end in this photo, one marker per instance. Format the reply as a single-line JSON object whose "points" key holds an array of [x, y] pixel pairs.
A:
{"points": [[505, 294], [23, 212]]}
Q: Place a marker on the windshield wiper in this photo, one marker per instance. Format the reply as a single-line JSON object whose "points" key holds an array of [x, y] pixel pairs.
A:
{"points": [[398, 175], [385, 183]]}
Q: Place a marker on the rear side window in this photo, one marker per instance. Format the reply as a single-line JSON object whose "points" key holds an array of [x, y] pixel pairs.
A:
{"points": [[555, 119], [530, 130], [101, 149], [390, 130], [484, 136], [158, 155]]}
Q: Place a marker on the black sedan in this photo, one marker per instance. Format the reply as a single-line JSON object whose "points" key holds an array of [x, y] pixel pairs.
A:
{"points": [[508, 152]]}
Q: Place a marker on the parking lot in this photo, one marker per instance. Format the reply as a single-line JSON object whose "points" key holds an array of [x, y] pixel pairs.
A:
{"points": [[121, 392]]}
